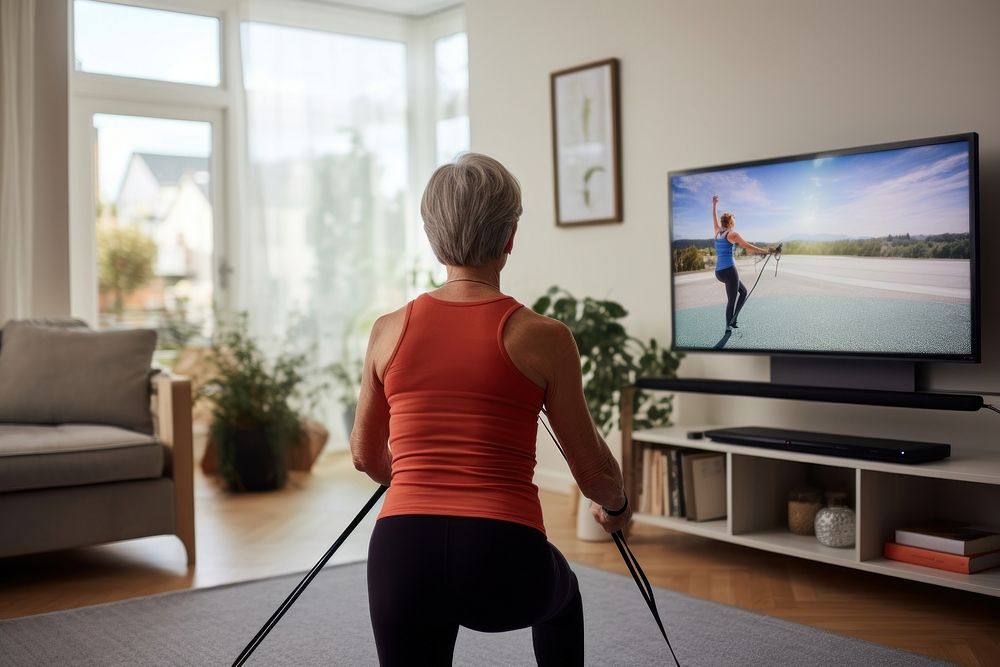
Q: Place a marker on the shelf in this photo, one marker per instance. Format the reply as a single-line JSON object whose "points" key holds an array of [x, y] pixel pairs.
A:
{"points": [[987, 581], [885, 496], [716, 528], [785, 542], [966, 464]]}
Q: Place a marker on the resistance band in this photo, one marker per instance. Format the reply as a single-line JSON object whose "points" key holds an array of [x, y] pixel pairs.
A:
{"points": [[645, 589], [777, 259]]}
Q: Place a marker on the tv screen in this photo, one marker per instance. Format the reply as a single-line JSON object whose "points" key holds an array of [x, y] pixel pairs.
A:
{"points": [[863, 252]]}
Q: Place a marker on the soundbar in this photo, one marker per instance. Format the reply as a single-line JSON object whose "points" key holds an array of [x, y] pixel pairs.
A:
{"points": [[829, 444], [898, 399]]}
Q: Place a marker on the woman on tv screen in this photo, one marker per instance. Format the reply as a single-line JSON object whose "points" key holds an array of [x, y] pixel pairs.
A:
{"points": [[726, 240]]}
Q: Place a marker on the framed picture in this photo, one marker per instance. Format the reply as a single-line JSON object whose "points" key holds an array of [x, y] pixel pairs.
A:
{"points": [[585, 144]]}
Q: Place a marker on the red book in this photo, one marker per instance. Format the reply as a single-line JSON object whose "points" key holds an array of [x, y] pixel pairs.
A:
{"points": [[941, 560]]}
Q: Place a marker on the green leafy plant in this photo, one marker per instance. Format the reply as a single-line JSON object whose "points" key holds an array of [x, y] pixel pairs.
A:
{"points": [[612, 359], [125, 259], [347, 375], [251, 392]]}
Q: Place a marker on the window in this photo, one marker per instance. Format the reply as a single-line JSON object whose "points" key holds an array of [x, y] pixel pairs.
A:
{"points": [[145, 43], [451, 69], [154, 224], [313, 227], [328, 165]]}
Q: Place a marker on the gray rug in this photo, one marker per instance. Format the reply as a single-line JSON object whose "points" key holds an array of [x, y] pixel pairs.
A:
{"points": [[329, 625]]}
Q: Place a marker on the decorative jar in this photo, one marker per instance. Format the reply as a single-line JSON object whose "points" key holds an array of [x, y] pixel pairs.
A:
{"points": [[835, 523], [803, 504]]}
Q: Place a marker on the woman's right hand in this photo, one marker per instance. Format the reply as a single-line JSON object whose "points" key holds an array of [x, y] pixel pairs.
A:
{"points": [[715, 199], [611, 523]]}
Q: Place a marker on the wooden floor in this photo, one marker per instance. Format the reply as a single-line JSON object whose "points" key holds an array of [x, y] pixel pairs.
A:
{"points": [[258, 535]]}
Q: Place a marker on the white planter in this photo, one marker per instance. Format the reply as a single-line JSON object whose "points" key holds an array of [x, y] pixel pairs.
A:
{"points": [[587, 528]]}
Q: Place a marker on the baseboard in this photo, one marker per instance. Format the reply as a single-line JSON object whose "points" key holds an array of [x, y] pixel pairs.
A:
{"points": [[554, 480]]}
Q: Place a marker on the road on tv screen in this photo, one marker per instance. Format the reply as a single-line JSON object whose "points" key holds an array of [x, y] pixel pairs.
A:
{"points": [[823, 303]]}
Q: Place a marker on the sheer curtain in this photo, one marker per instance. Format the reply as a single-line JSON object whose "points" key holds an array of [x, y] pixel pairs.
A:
{"points": [[323, 239], [17, 30]]}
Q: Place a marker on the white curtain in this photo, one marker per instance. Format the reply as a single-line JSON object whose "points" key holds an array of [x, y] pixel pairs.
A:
{"points": [[323, 237], [17, 30]]}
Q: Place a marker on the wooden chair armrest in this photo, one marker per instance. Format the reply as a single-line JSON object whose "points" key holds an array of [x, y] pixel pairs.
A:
{"points": [[172, 404]]}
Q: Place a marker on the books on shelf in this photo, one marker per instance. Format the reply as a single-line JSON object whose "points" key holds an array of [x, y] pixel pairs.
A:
{"points": [[682, 483], [950, 537], [963, 564], [707, 480]]}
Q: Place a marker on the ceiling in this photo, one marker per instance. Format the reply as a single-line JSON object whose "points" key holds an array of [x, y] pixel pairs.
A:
{"points": [[403, 7]]}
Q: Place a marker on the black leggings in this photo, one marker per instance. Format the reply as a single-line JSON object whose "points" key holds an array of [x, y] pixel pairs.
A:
{"points": [[736, 292], [427, 575]]}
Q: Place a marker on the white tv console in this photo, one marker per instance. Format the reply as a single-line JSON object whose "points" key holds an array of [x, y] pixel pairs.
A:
{"points": [[886, 496]]}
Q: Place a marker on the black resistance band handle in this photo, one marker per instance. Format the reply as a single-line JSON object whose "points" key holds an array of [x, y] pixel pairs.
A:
{"points": [[631, 562], [293, 596]]}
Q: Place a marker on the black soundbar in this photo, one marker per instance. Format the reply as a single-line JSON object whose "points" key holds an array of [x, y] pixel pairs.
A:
{"points": [[831, 444], [897, 399]]}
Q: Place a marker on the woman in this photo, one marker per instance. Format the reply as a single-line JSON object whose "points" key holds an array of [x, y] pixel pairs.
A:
{"points": [[454, 382], [726, 240]]}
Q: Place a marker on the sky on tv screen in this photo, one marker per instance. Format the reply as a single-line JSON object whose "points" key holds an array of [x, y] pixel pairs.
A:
{"points": [[919, 191]]}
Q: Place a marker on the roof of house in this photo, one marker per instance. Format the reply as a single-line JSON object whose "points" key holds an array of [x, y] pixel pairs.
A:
{"points": [[169, 169]]}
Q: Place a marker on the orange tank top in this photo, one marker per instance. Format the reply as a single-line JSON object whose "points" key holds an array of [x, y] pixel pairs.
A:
{"points": [[462, 417]]}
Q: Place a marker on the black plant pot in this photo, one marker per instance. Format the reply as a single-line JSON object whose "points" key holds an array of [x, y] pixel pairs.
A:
{"points": [[259, 464]]}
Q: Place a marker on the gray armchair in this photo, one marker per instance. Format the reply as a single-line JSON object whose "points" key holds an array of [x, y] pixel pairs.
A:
{"points": [[76, 481]]}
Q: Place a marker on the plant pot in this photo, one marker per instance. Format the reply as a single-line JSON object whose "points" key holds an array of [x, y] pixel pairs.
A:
{"points": [[587, 528], [300, 456], [258, 465], [303, 454]]}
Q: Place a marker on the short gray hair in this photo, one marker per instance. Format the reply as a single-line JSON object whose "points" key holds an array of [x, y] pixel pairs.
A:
{"points": [[470, 207]]}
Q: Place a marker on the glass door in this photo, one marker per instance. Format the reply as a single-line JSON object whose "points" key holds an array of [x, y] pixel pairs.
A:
{"points": [[153, 234]]}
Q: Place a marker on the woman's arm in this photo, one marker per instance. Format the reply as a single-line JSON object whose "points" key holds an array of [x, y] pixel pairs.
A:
{"points": [[590, 459], [715, 216], [370, 436], [746, 245]]}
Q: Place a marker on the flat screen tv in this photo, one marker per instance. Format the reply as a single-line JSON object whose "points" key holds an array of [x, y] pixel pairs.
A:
{"points": [[873, 253]]}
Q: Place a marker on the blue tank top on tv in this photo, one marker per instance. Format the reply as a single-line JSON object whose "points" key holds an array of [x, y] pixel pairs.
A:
{"points": [[723, 252]]}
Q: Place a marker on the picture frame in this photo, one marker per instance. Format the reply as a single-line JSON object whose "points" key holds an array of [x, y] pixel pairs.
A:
{"points": [[586, 151]]}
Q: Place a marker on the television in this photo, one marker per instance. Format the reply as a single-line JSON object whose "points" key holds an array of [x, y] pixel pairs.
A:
{"points": [[870, 252]]}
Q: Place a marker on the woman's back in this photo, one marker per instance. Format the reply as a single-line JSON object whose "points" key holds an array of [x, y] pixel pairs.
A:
{"points": [[462, 416], [723, 251]]}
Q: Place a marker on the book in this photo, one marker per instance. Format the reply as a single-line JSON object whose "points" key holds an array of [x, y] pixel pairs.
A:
{"points": [[660, 491], [654, 464], [950, 537], [665, 476], [940, 560], [676, 493], [687, 487], [645, 502], [707, 480]]}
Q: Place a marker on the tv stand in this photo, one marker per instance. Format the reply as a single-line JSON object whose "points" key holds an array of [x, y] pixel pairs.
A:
{"points": [[877, 374], [885, 495]]}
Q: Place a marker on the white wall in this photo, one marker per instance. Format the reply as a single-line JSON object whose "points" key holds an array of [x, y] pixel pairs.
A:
{"points": [[711, 82]]}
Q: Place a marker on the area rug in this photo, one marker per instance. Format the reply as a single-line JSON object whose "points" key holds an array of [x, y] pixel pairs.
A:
{"points": [[329, 625]]}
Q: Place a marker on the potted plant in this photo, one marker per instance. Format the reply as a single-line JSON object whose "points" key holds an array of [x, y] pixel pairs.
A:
{"points": [[253, 418], [347, 375], [611, 358]]}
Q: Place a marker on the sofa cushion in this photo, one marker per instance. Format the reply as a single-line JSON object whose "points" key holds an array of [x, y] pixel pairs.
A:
{"points": [[64, 322], [54, 375], [41, 457]]}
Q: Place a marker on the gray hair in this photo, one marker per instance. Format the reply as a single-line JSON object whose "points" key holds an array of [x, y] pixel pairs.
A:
{"points": [[470, 207]]}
